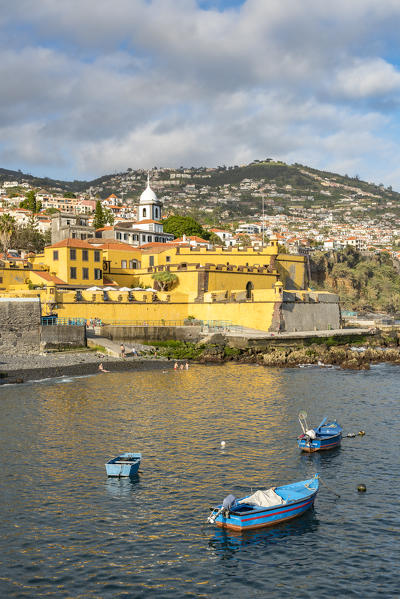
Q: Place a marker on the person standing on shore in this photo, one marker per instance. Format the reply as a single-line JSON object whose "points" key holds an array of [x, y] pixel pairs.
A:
{"points": [[122, 350], [176, 366]]}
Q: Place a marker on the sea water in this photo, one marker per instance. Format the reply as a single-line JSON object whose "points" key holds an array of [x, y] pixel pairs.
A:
{"points": [[69, 531]]}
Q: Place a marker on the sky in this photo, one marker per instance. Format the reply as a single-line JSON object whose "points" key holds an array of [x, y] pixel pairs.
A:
{"points": [[91, 87]]}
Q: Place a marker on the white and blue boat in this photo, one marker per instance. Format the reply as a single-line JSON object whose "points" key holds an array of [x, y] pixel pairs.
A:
{"points": [[265, 507], [126, 464], [325, 436]]}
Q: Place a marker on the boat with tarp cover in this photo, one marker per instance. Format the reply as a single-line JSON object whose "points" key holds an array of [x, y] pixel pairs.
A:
{"points": [[265, 507], [325, 436], [126, 464]]}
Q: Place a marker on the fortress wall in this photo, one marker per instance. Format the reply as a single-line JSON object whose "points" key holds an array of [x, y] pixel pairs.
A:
{"points": [[299, 316], [62, 337], [152, 333], [19, 325]]}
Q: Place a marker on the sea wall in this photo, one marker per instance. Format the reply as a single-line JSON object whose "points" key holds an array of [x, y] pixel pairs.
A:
{"points": [[310, 317], [19, 325], [59, 337], [151, 333]]}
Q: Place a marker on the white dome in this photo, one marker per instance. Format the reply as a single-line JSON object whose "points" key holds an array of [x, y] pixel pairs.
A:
{"points": [[148, 196]]}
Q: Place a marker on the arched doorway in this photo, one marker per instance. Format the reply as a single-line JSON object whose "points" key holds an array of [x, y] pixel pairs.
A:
{"points": [[249, 289]]}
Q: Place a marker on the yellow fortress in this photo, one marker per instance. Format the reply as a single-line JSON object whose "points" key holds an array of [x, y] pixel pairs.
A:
{"points": [[117, 283]]}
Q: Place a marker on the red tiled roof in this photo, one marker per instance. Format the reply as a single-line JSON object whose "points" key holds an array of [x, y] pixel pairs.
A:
{"points": [[117, 245], [141, 222], [108, 228], [48, 277], [71, 243]]}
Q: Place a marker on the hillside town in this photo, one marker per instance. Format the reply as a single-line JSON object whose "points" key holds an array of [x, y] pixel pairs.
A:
{"points": [[331, 214]]}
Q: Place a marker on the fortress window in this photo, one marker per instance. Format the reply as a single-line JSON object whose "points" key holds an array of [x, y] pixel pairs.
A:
{"points": [[144, 213], [249, 289]]}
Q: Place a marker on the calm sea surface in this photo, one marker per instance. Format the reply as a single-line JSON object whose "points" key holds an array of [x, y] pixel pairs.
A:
{"points": [[68, 531]]}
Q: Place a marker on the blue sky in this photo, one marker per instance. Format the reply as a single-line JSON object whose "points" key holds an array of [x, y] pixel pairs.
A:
{"points": [[94, 87]]}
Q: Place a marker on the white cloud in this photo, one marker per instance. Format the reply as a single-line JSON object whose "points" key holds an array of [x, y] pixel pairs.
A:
{"points": [[100, 86]]}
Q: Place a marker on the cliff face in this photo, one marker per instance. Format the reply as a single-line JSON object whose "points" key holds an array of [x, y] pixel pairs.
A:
{"points": [[363, 282]]}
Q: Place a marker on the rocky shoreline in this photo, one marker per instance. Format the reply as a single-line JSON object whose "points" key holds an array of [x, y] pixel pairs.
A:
{"points": [[18, 369], [352, 357], [378, 349]]}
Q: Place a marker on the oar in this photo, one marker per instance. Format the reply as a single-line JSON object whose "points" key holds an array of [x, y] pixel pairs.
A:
{"points": [[331, 490]]}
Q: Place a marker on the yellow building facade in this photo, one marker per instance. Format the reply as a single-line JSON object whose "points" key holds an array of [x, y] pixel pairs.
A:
{"points": [[251, 288]]}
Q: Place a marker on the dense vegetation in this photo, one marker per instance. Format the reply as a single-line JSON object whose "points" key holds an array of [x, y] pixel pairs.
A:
{"points": [[184, 225], [364, 282]]}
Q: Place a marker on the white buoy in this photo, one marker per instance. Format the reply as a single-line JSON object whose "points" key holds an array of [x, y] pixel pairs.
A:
{"points": [[222, 444]]}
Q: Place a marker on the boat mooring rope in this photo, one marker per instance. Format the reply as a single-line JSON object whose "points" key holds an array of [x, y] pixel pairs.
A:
{"points": [[331, 490]]}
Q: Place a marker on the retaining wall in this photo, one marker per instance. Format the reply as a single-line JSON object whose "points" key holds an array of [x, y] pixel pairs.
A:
{"points": [[62, 337], [19, 325], [143, 334]]}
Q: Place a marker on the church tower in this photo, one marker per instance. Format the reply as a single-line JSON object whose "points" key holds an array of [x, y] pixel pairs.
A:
{"points": [[149, 204]]}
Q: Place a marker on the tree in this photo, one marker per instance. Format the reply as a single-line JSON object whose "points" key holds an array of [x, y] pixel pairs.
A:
{"points": [[7, 227], [31, 201], [99, 220], [215, 240], [184, 225], [108, 217], [165, 279]]}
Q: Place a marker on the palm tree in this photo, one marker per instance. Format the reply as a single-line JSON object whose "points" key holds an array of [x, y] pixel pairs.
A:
{"points": [[7, 228]]}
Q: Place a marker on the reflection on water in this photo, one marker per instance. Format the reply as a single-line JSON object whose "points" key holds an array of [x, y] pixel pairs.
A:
{"points": [[69, 531], [226, 543]]}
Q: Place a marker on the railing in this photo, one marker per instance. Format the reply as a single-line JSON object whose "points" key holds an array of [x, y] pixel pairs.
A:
{"points": [[47, 321], [206, 325]]}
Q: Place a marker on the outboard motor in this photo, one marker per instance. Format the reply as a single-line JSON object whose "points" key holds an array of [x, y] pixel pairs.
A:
{"points": [[227, 504], [310, 435]]}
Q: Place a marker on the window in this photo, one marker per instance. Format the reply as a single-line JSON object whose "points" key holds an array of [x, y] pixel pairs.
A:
{"points": [[125, 236], [97, 256], [55, 254], [72, 253], [72, 272], [151, 260], [1, 279], [167, 258], [144, 213], [143, 237], [98, 274], [249, 289], [85, 274], [85, 255], [133, 264], [118, 236], [123, 263], [149, 238]]}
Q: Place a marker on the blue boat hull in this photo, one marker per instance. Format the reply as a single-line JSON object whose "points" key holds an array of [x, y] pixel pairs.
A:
{"points": [[126, 464], [261, 517], [320, 443]]}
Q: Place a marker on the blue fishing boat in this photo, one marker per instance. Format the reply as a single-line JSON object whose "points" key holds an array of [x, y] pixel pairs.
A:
{"points": [[126, 464], [265, 507], [325, 436]]}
